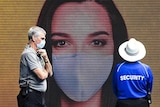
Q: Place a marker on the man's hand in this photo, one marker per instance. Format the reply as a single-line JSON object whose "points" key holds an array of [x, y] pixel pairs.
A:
{"points": [[42, 52]]}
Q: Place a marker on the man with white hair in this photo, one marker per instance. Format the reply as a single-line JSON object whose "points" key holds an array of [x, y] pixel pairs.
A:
{"points": [[132, 79], [35, 67]]}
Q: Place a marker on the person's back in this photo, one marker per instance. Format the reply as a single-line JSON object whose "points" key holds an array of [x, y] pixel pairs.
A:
{"points": [[132, 79]]}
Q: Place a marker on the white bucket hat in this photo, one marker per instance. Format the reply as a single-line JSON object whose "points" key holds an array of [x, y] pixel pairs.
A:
{"points": [[132, 50]]}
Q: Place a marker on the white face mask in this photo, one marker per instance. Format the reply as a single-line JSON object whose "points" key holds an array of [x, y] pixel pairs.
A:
{"points": [[41, 44], [80, 76]]}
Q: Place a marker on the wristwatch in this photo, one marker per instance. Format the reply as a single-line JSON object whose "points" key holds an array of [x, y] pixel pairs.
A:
{"points": [[46, 61]]}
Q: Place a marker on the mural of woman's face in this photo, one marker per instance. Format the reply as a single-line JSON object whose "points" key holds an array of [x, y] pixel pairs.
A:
{"points": [[82, 48]]}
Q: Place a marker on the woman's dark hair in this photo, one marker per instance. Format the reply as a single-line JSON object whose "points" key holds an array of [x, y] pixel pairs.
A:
{"points": [[120, 35]]}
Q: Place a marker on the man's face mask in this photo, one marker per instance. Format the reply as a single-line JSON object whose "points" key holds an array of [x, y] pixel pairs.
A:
{"points": [[41, 44], [80, 76]]}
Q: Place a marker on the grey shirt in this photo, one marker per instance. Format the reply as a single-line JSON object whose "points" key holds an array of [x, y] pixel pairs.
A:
{"points": [[28, 62]]}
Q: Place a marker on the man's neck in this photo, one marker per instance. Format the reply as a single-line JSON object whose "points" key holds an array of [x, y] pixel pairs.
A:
{"points": [[32, 44]]}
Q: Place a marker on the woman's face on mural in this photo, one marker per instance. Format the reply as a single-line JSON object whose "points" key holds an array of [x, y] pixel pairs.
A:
{"points": [[82, 28], [82, 48]]}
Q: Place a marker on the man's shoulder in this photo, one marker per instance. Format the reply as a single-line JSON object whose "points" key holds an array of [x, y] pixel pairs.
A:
{"points": [[28, 50], [28, 54], [145, 65]]}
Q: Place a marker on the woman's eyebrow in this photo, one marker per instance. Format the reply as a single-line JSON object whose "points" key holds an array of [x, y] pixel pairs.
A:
{"points": [[99, 33], [92, 34], [60, 34]]}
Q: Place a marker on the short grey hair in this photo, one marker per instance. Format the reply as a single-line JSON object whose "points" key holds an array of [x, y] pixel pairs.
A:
{"points": [[34, 31]]}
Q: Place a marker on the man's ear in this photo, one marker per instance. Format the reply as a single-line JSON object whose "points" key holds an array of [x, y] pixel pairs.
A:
{"points": [[33, 38]]}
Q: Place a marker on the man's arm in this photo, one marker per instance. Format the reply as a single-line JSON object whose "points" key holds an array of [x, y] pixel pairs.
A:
{"points": [[48, 66], [41, 74]]}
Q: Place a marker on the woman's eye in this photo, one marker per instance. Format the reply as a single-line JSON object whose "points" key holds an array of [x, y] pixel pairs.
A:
{"points": [[59, 43], [99, 42]]}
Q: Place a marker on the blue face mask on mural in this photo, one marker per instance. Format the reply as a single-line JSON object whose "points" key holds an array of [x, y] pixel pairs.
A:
{"points": [[80, 76]]}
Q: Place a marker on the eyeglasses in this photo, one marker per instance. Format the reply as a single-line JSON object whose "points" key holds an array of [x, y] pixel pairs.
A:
{"points": [[43, 38]]}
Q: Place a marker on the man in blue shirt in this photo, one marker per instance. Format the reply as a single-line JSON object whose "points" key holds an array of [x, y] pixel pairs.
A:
{"points": [[132, 79]]}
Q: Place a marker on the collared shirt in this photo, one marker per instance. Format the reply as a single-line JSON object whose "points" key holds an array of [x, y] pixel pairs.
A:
{"points": [[132, 80], [28, 62]]}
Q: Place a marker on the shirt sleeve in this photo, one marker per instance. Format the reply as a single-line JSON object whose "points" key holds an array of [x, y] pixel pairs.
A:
{"points": [[31, 60], [150, 79]]}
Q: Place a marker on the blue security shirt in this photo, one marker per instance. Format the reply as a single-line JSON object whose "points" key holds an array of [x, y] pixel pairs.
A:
{"points": [[132, 80]]}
